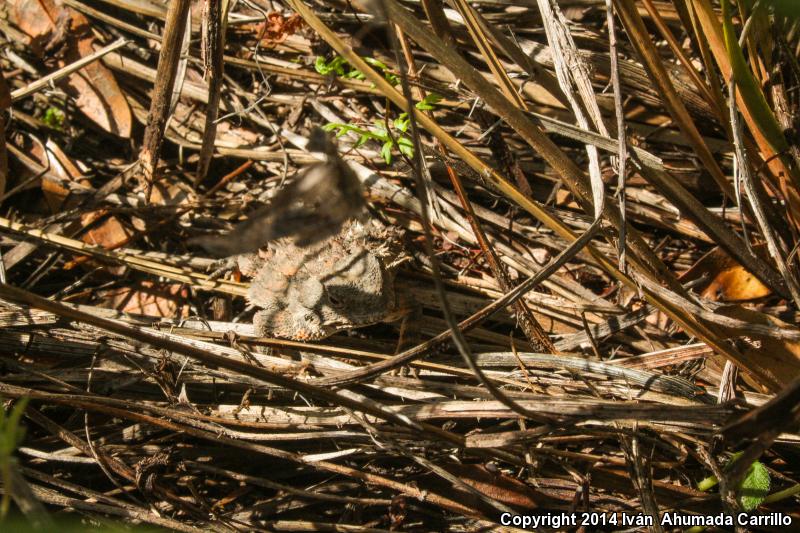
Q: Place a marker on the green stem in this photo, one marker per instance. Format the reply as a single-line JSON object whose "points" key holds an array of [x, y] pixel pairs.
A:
{"points": [[782, 494], [708, 483]]}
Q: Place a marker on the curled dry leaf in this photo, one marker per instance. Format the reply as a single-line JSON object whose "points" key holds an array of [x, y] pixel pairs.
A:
{"points": [[47, 166], [727, 280], [277, 28], [94, 87]]}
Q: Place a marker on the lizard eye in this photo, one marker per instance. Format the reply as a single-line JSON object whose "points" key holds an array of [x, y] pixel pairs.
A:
{"points": [[334, 301]]}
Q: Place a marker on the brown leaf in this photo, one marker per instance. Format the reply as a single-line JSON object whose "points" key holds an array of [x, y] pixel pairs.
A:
{"points": [[61, 166], [497, 485], [727, 281], [110, 233], [150, 299], [168, 192], [94, 87]]}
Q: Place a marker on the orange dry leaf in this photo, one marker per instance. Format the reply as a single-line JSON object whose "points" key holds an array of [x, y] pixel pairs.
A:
{"points": [[96, 93], [277, 28], [727, 281]]}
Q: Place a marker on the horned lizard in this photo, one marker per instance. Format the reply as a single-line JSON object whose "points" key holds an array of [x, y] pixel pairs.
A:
{"points": [[311, 292]]}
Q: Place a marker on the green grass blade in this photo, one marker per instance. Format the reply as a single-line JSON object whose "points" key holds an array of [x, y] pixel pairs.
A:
{"points": [[751, 92]]}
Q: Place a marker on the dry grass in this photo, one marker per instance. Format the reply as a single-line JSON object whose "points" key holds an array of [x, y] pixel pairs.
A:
{"points": [[601, 320]]}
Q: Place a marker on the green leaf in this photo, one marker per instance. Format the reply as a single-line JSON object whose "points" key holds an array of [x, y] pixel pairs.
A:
{"points": [[338, 65], [751, 92], [11, 432], [379, 131], [14, 420], [321, 66], [388, 76], [401, 123], [754, 488], [428, 103], [405, 149], [355, 75], [335, 66], [386, 152], [375, 63]]}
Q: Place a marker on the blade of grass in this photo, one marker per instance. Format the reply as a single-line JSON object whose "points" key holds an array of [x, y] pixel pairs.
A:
{"points": [[689, 17], [751, 93], [510, 48], [622, 142], [571, 72]]}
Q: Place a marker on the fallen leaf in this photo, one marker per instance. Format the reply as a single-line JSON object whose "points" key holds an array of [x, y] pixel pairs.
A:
{"points": [[168, 192], [94, 87], [62, 166], [109, 234], [149, 298], [55, 180], [497, 485], [727, 280]]}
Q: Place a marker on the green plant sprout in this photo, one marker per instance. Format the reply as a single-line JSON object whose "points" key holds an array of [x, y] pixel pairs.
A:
{"points": [[751, 492], [11, 436], [54, 118], [375, 133], [340, 67], [399, 138]]}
